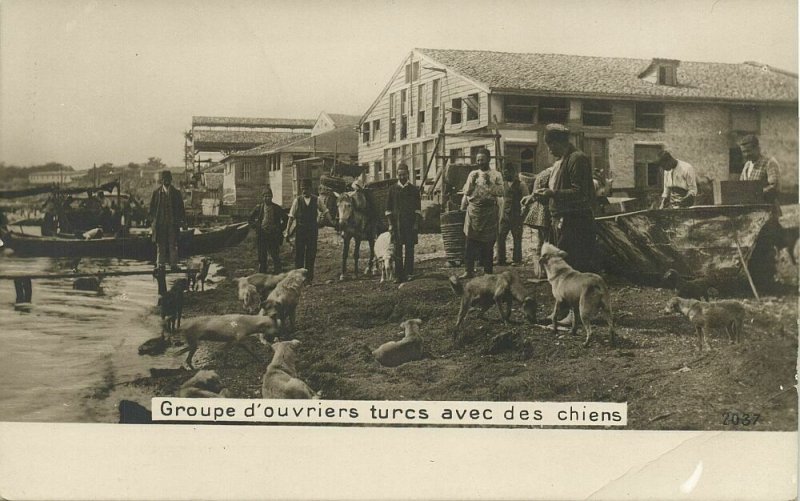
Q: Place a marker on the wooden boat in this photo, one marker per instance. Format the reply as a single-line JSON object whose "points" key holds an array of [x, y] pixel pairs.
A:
{"points": [[696, 241], [190, 242]]}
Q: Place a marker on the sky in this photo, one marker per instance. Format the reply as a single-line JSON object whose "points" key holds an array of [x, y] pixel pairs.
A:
{"points": [[88, 82]]}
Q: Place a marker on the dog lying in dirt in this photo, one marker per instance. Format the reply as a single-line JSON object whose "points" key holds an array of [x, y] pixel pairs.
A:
{"points": [[204, 384], [698, 288], [718, 315], [584, 293], [171, 304], [230, 329], [255, 288], [394, 353], [281, 304], [493, 289], [384, 253], [280, 380], [197, 272]]}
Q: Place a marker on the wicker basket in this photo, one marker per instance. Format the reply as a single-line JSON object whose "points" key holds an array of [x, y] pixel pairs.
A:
{"points": [[452, 224]]}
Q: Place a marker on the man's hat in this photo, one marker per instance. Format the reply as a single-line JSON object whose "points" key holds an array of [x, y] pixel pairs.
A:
{"points": [[266, 191], [556, 132], [750, 139], [402, 167]]}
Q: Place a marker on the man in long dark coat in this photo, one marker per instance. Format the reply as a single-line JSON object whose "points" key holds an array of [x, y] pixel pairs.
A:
{"points": [[167, 215], [269, 220], [403, 210]]}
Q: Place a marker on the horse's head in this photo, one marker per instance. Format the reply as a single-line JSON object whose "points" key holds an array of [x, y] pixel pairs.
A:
{"points": [[345, 205]]}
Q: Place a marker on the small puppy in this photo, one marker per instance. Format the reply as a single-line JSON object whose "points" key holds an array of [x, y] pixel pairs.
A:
{"points": [[231, 329], [281, 304], [87, 283], [280, 380], [384, 252], [204, 384], [584, 293], [394, 353], [255, 288], [171, 304], [488, 290], [197, 272], [698, 288], [727, 315]]}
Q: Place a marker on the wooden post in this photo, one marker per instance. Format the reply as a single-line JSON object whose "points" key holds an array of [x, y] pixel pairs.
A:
{"points": [[744, 266]]}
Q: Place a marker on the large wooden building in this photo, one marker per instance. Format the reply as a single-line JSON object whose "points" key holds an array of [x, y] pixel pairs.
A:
{"points": [[621, 112]]}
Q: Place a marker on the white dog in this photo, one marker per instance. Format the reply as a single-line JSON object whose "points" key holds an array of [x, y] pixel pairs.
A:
{"points": [[253, 289], [394, 353], [384, 253], [230, 329], [280, 380]]}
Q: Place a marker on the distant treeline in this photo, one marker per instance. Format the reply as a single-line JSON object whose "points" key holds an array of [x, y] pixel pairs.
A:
{"points": [[9, 172]]}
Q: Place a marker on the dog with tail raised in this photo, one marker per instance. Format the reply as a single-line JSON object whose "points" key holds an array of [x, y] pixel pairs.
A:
{"points": [[280, 380], [586, 294]]}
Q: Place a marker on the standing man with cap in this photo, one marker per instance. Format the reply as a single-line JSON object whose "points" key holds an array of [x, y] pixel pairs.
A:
{"points": [[303, 223], [269, 220], [403, 210], [483, 192], [167, 216], [570, 196], [680, 181], [511, 218], [759, 167]]}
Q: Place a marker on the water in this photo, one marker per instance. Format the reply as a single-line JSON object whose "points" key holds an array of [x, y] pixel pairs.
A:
{"points": [[64, 356]]}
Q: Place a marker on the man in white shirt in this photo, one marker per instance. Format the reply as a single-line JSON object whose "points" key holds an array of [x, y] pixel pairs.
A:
{"points": [[680, 181]]}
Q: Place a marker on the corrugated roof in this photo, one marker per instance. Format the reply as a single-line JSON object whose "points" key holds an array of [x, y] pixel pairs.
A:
{"points": [[561, 74], [299, 123], [238, 139], [269, 146]]}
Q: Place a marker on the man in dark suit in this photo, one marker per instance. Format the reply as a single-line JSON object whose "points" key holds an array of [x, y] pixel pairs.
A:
{"points": [[403, 210], [167, 216], [269, 220]]}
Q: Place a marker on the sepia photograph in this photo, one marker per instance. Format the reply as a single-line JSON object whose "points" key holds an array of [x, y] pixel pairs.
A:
{"points": [[531, 220]]}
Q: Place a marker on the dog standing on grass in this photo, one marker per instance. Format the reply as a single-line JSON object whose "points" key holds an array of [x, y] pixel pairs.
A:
{"points": [[171, 304], [230, 329], [493, 289], [384, 253], [718, 315], [280, 380], [394, 353], [584, 293], [281, 304], [254, 289]]}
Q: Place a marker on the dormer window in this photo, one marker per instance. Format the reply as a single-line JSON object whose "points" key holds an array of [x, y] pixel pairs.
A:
{"points": [[661, 72], [667, 75]]}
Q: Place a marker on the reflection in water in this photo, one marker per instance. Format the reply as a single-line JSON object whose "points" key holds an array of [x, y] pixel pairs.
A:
{"points": [[63, 356]]}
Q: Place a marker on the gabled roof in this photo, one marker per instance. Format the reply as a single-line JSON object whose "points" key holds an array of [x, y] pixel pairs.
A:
{"points": [[343, 140], [566, 75], [291, 123], [340, 120], [235, 139]]}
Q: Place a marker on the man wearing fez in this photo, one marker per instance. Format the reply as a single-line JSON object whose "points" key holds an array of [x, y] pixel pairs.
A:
{"points": [[303, 223], [482, 191], [758, 167], [570, 196], [680, 181], [269, 220], [167, 216], [403, 210], [511, 217]]}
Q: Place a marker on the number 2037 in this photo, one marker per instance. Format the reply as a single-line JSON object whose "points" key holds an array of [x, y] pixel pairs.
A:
{"points": [[736, 419]]}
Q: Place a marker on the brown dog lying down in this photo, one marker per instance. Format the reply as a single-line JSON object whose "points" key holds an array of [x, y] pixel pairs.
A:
{"points": [[255, 288], [584, 293], [394, 353], [281, 304], [231, 329], [488, 290], [204, 384], [280, 380], [727, 315]]}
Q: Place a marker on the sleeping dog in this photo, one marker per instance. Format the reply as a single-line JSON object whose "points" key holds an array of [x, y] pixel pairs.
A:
{"points": [[281, 304], [488, 290], [204, 384], [585, 293]]}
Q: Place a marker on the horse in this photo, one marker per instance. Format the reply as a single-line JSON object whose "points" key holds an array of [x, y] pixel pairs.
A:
{"points": [[355, 222]]}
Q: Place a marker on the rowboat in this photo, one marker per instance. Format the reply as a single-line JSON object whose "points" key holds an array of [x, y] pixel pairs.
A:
{"points": [[136, 246], [703, 241]]}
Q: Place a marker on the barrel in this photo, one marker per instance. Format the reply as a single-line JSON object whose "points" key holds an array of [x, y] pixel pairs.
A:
{"points": [[452, 224]]}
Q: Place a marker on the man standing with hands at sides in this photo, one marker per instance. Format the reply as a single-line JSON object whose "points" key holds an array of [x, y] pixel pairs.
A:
{"points": [[482, 193], [758, 167], [570, 196], [403, 210], [167, 216], [303, 223], [268, 219], [511, 218]]}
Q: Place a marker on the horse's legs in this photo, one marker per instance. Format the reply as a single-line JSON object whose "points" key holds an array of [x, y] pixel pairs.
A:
{"points": [[356, 252], [345, 249]]}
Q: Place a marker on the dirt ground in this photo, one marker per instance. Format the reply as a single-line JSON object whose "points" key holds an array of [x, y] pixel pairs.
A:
{"points": [[655, 366]]}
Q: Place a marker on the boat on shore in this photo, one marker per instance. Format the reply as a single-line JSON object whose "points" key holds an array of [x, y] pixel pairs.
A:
{"points": [[133, 246], [702, 241]]}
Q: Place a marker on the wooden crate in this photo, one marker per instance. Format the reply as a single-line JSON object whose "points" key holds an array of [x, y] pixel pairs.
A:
{"points": [[738, 192]]}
